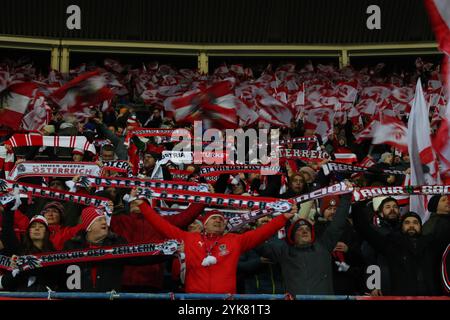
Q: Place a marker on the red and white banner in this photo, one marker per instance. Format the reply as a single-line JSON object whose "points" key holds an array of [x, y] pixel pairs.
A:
{"points": [[16, 103], [391, 131]]}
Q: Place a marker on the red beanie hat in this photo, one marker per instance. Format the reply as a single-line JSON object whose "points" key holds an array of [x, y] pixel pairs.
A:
{"points": [[210, 214], [292, 229], [89, 215], [329, 201], [40, 219]]}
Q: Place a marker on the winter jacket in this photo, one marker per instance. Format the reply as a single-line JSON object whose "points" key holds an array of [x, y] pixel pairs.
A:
{"points": [[348, 282], [102, 276], [219, 277], [439, 226], [135, 228], [411, 260], [307, 269], [258, 277], [374, 257]]}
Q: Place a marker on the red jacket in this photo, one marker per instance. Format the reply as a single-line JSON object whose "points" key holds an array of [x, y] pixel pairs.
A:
{"points": [[60, 234], [21, 222], [220, 277], [136, 229]]}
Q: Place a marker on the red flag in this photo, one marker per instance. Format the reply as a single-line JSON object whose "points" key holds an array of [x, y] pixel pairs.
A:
{"points": [[391, 131], [215, 106], [86, 90], [18, 96], [439, 12]]}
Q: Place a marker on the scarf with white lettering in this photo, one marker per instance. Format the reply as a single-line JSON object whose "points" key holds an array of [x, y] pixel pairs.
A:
{"points": [[206, 171], [306, 155], [28, 262], [150, 132], [37, 140], [236, 222], [215, 199], [370, 192], [117, 182], [118, 166], [307, 139], [31, 191], [342, 167], [53, 169], [179, 175]]}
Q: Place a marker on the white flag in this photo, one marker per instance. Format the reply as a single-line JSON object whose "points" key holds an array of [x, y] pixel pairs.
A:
{"points": [[420, 150]]}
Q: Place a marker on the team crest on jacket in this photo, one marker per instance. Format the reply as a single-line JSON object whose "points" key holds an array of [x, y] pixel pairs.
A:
{"points": [[223, 250]]}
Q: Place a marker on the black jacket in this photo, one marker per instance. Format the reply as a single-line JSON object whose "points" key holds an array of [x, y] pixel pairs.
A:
{"points": [[108, 273], [411, 260]]}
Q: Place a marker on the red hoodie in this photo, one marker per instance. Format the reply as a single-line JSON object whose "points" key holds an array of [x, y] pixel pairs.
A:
{"points": [[220, 277]]}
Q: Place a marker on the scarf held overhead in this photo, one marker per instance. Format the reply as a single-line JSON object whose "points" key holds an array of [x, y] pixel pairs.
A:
{"points": [[28, 262], [37, 140]]}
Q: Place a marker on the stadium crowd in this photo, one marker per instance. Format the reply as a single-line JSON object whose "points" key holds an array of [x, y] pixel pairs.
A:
{"points": [[121, 116]]}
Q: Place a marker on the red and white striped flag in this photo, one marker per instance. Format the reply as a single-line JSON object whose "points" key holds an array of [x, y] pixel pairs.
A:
{"points": [[348, 158], [18, 96], [215, 106], [85, 91], [441, 144], [391, 131], [368, 132], [274, 111], [439, 12]]}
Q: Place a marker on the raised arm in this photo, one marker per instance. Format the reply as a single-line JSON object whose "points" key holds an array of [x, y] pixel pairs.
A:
{"points": [[362, 226], [65, 234], [334, 231], [186, 217], [160, 224], [251, 239]]}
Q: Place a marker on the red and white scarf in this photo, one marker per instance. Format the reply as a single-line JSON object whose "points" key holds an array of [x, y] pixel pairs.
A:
{"points": [[342, 167], [42, 260], [214, 199], [140, 183], [306, 155], [37, 140], [31, 190], [53, 169], [307, 139], [206, 171]]}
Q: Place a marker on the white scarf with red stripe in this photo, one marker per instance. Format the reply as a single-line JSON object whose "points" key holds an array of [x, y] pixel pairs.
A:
{"points": [[37, 140], [6, 160]]}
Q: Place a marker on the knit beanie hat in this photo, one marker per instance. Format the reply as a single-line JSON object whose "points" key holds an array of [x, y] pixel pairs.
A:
{"points": [[54, 204], [329, 201], [411, 214], [433, 203], [210, 214], [89, 215], [292, 229], [40, 219]]}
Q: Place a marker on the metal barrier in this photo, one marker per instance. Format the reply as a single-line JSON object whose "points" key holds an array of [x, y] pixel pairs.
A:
{"points": [[189, 296]]}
